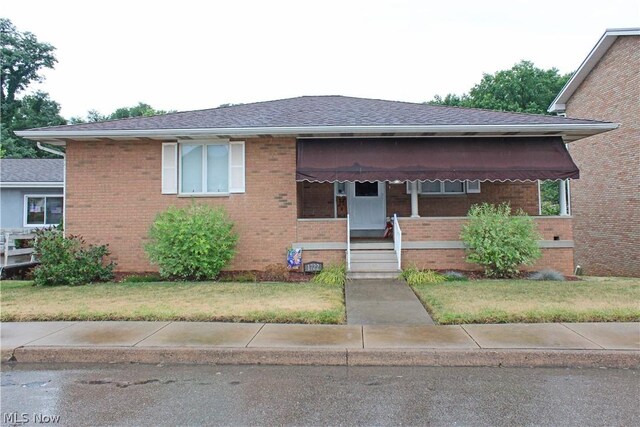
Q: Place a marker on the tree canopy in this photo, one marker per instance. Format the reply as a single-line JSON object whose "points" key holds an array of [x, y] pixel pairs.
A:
{"points": [[140, 110], [23, 59], [522, 88]]}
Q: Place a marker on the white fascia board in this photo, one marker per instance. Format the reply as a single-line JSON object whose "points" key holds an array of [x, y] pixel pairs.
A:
{"points": [[318, 130], [598, 51], [15, 184]]}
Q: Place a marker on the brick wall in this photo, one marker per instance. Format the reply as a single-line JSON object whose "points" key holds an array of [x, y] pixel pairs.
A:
{"points": [[448, 229], [330, 230], [316, 199], [559, 259], [605, 201], [113, 195], [442, 229]]}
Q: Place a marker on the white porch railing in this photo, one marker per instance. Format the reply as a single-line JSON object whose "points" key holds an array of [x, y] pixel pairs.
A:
{"points": [[348, 244], [397, 240]]}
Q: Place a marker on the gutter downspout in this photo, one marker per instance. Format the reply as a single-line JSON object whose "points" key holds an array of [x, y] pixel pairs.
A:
{"points": [[64, 182]]}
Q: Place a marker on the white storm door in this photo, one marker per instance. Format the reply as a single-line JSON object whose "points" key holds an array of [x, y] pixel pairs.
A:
{"points": [[366, 205]]}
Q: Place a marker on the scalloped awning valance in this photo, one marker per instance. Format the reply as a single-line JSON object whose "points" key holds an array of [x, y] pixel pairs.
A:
{"points": [[409, 159]]}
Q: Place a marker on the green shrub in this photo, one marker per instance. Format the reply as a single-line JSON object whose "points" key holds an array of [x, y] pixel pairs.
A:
{"points": [[413, 276], [547, 274], [69, 260], [142, 278], [499, 241], [334, 275], [192, 243]]}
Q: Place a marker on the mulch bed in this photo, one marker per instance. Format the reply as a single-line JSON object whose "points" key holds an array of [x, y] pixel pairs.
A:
{"points": [[273, 274]]}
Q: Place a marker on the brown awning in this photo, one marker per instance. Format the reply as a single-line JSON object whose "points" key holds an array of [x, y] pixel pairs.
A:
{"points": [[408, 159]]}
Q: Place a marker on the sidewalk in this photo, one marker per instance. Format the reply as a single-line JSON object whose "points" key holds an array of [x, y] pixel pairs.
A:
{"points": [[544, 344], [383, 302]]}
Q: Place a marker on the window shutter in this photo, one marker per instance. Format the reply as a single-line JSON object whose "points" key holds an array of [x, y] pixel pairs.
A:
{"points": [[169, 168], [236, 167], [473, 186]]}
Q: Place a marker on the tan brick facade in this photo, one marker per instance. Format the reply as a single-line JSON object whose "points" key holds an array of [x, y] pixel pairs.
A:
{"points": [[113, 195], [606, 198], [328, 230]]}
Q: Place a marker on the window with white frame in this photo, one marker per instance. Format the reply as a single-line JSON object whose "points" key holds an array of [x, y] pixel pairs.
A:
{"points": [[438, 187], [42, 210], [203, 168]]}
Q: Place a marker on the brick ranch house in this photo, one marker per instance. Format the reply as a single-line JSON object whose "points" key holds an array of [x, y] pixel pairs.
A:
{"points": [[606, 200], [320, 173]]}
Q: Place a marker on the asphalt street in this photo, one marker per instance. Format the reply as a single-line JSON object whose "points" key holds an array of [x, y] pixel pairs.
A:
{"points": [[141, 395]]}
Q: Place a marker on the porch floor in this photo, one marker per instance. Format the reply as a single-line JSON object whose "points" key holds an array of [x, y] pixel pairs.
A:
{"points": [[383, 302]]}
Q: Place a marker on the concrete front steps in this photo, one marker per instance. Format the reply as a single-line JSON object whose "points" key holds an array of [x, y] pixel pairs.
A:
{"points": [[373, 261]]}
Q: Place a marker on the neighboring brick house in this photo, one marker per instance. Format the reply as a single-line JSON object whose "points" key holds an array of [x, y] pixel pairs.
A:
{"points": [[318, 173], [606, 200]]}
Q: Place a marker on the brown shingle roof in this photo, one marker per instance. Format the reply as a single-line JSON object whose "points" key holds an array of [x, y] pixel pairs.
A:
{"points": [[308, 111]]}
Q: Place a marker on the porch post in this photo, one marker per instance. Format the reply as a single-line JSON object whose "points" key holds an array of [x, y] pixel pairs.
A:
{"points": [[563, 198], [414, 199]]}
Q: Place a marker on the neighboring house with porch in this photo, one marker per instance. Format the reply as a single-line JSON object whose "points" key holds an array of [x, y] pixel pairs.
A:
{"points": [[606, 200], [31, 193], [31, 197], [321, 173]]}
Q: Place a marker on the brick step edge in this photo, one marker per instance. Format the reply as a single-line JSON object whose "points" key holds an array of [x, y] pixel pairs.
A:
{"points": [[620, 359]]}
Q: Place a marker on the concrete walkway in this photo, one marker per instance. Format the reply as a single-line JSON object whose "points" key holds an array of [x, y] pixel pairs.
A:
{"points": [[546, 344], [383, 302]]}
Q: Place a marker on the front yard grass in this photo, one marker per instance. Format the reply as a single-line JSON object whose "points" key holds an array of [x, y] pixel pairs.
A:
{"points": [[504, 301], [193, 301]]}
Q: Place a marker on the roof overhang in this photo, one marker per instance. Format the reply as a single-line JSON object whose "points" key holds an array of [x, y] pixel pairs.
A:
{"points": [[569, 132], [31, 184], [602, 46]]}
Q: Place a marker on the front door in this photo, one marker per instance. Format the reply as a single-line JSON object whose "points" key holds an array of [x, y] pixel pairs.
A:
{"points": [[366, 205]]}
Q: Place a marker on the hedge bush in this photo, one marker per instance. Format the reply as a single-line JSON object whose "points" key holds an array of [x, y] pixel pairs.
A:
{"points": [[192, 243], [69, 260], [499, 241]]}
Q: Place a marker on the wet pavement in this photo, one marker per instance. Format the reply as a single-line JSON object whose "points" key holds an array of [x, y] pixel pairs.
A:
{"points": [[383, 302], [144, 395], [145, 335]]}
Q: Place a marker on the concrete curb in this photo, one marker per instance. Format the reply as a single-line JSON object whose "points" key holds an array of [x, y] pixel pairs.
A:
{"points": [[328, 357]]}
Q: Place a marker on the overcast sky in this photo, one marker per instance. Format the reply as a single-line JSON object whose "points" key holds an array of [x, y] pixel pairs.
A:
{"points": [[186, 55]]}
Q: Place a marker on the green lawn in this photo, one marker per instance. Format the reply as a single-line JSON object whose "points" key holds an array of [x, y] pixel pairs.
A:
{"points": [[501, 301], [199, 301]]}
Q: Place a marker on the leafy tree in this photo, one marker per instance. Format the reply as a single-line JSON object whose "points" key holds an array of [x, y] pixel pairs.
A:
{"points": [[36, 110], [140, 110], [550, 194], [522, 88], [23, 57]]}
